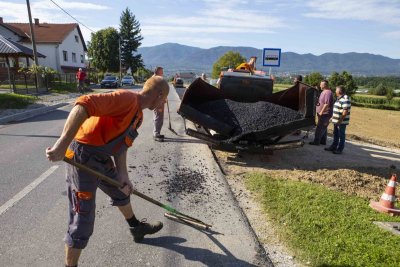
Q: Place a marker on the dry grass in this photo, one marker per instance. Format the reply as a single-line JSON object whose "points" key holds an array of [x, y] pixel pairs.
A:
{"points": [[376, 126]]}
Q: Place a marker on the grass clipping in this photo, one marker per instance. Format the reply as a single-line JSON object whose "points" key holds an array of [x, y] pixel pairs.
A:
{"points": [[325, 227]]}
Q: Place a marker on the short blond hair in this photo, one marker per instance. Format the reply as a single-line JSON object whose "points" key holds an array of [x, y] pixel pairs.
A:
{"points": [[156, 83]]}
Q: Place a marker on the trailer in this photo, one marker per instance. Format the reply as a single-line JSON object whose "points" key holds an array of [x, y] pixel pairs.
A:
{"points": [[248, 118]]}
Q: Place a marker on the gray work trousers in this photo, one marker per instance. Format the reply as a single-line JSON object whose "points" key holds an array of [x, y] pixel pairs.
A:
{"points": [[158, 117], [81, 192], [321, 131]]}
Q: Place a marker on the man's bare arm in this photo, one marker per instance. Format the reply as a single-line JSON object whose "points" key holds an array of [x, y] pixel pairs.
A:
{"points": [[75, 119]]}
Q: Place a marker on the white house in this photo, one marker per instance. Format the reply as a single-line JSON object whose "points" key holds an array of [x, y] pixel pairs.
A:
{"points": [[62, 44]]}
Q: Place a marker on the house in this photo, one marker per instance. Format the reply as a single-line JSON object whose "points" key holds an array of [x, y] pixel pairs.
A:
{"points": [[62, 44]]}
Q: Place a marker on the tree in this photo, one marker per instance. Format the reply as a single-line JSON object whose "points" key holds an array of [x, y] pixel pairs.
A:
{"points": [[130, 41], [103, 50], [229, 60], [313, 79], [381, 89], [345, 79]]}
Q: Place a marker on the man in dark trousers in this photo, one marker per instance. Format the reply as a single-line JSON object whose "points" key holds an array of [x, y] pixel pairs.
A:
{"points": [[158, 112], [80, 79], [324, 114], [98, 131]]}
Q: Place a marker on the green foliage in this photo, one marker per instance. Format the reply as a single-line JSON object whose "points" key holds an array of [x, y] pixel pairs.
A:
{"points": [[130, 41], [104, 50], [313, 79], [63, 88], [142, 74], [345, 79], [372, 82], [283, 80], [326, 227], [15, 101], [376, 102], [229, 60], [390, 94], [381, 89], [37, 69]]}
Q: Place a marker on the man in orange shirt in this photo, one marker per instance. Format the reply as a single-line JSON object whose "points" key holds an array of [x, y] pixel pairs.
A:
{"points": [[101, 127]]}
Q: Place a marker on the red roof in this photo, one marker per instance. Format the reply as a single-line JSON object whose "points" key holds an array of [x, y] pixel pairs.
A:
{"points": [[46, 32]]}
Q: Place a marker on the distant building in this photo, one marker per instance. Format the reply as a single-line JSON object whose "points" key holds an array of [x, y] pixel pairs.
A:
{"points": [[62, 44]]}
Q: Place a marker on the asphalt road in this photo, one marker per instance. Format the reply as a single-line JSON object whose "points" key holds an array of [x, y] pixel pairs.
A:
{"points": [[180, 172]]}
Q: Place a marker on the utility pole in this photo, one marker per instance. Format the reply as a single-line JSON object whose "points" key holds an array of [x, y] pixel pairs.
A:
{"points": [[33, 41], [120, 64]]}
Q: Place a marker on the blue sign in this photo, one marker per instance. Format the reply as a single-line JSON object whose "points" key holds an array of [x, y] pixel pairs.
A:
{"points": [[272, 57]]}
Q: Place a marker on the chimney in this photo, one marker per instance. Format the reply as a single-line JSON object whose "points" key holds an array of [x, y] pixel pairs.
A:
{"points": [[1, 19], [37, 22]]}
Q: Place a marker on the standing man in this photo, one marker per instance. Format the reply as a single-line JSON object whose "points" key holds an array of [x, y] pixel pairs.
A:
{"points": [[80, 78], [98, 131], [340, 120], [158, 112], [324, 114]]}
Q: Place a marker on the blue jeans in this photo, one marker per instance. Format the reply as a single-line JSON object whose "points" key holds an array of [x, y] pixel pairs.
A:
{"points": [[339, 137]]}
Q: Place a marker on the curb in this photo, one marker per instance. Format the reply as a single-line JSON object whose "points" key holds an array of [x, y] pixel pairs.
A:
{"points": [[30, 113]]}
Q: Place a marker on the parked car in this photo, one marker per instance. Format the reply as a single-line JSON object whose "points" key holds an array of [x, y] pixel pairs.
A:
{"points": [[127, 80], [178, 82], [110, 81]]}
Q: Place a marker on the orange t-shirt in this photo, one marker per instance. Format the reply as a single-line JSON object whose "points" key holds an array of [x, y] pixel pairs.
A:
{"points": [[110, 114]]}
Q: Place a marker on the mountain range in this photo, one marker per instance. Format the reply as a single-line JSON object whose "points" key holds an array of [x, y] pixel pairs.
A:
{"points": [[180, 58]]}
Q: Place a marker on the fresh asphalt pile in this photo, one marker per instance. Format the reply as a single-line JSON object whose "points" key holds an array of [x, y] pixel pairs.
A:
{"points": [[248, 117], [183, 181]]}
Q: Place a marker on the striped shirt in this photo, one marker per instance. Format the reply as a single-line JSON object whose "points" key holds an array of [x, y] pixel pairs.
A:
{"points": [[342, 103]]}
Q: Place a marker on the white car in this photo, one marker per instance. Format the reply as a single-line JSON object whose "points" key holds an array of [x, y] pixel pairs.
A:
{"points": [[127, 80]]}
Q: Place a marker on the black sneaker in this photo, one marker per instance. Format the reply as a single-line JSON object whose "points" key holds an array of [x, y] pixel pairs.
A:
{"points": [[159, 138], [328, 149], [314, 143], [145, 228], [336, 152]]}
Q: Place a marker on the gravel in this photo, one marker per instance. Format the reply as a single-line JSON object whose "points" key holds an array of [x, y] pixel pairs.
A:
{"points": [[184, 181], [249, 117]]}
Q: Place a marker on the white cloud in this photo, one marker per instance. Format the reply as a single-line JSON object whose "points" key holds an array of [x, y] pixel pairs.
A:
{"points": [[392, 35], [384, 11], [46, 4], [215, 18]]}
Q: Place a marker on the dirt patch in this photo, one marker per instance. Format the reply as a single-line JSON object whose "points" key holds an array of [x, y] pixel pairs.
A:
{"points": [[375, 126]]}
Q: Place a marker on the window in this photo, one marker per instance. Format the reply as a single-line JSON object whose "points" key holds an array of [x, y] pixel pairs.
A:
{"points": [[73, 57], [65, 55], [81, 58], [76, 38]]}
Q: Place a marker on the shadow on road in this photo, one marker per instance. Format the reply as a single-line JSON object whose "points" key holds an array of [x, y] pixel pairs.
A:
{"points": [[32, 135], [202, 255]]}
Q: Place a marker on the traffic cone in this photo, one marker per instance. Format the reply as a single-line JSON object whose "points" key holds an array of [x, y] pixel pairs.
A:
{"points": [[386, 203]]}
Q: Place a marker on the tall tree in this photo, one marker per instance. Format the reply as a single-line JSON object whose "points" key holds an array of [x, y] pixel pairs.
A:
{"points": [[313, 79], [229, 60], [103, 50], [130, 41], [345, 79]]}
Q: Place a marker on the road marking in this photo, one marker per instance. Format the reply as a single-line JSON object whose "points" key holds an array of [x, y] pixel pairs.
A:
{"points": [[27, 189]]}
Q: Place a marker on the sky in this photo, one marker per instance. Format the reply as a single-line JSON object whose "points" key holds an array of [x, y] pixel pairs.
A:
{"points": [[308, 26]]}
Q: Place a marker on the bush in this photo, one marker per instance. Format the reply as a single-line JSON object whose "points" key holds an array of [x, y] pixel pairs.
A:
{"points": [[380, 90], [15, 101], [390, 94]]}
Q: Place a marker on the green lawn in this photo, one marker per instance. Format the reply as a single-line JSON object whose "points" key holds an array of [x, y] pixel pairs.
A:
{"points": [[325, 227], [15, 101], [280, 86]]}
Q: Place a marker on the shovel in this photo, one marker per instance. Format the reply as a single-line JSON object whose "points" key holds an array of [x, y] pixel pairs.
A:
{"points": [[169, 120], [173, 214]]}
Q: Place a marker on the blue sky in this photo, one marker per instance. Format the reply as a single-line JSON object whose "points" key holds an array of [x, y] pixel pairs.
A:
{"points": [[309, 26]]}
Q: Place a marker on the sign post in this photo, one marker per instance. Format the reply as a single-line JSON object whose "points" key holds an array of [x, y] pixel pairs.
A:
{"points": [[271, 58]]}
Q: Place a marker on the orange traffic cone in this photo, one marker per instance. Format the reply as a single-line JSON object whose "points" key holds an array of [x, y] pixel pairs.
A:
{"points": [[386, 203]]}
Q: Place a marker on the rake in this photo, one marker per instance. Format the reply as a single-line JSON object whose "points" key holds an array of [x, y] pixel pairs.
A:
{"points": [[172, 213]]}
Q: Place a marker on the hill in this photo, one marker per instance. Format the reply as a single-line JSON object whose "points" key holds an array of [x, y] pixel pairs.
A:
{"points": [[176, 57]]}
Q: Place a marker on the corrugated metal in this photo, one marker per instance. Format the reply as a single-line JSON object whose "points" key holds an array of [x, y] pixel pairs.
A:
{"points": [[8, 47]]}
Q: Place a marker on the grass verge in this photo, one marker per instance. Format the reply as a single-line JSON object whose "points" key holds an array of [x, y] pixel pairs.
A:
{"points": [[324, 227], [15, 101], [64, 88]]}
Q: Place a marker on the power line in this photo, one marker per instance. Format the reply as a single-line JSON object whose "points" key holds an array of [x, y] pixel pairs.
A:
{"points": [[71, 16]]}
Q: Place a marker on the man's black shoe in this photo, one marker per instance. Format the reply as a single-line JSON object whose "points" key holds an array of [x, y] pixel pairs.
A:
{"points": [[145, 228], [314, 144], [159, 138], [336, 152], [328, 149]]}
